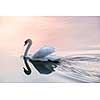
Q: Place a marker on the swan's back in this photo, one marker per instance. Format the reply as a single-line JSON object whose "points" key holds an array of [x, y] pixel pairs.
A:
{"points": [[43, 52]]}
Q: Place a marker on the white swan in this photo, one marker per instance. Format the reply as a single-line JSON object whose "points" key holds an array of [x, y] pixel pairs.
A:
{"points": [[43, 54]]}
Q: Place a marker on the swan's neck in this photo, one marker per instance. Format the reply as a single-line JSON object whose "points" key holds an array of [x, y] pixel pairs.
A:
{"points": [[27, 49]]}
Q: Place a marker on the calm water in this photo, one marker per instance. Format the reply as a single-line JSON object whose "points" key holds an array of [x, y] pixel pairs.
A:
{"points": [[70, 36]]}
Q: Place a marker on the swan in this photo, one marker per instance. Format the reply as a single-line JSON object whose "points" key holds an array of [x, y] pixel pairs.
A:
{"points": [[42, 55]]}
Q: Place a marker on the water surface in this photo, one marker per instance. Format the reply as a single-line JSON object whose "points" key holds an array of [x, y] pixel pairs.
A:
{"points": [[69, 35]]}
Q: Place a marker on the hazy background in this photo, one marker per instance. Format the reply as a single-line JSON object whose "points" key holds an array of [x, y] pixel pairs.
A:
{"points": [[66, 34]]}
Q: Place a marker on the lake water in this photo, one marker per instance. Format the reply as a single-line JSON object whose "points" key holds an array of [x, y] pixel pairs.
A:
{"points": [[70, 36]]}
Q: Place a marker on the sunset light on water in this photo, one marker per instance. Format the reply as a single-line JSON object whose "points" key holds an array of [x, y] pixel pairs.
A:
{"points": [[68, 35]]}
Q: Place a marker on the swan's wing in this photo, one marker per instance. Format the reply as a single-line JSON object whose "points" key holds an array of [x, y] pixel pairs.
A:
{"points": [[53, 57], [43, 52]]}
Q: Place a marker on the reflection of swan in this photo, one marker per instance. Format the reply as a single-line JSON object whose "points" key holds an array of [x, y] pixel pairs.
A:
{"points": [[42, 67], [28, 71], [41, 57]]}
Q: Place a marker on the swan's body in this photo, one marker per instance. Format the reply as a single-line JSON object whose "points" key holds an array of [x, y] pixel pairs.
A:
{"points": [[42, 55]]}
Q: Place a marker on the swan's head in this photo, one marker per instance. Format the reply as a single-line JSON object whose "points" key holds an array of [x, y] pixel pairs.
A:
{"points": [[28, 41]]}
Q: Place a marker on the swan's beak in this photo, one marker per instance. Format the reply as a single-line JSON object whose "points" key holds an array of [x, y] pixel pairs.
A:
{"points": [[25, 43]]}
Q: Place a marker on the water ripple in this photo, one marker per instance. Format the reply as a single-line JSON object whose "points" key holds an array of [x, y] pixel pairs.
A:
{"points": [[84, 68]]}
